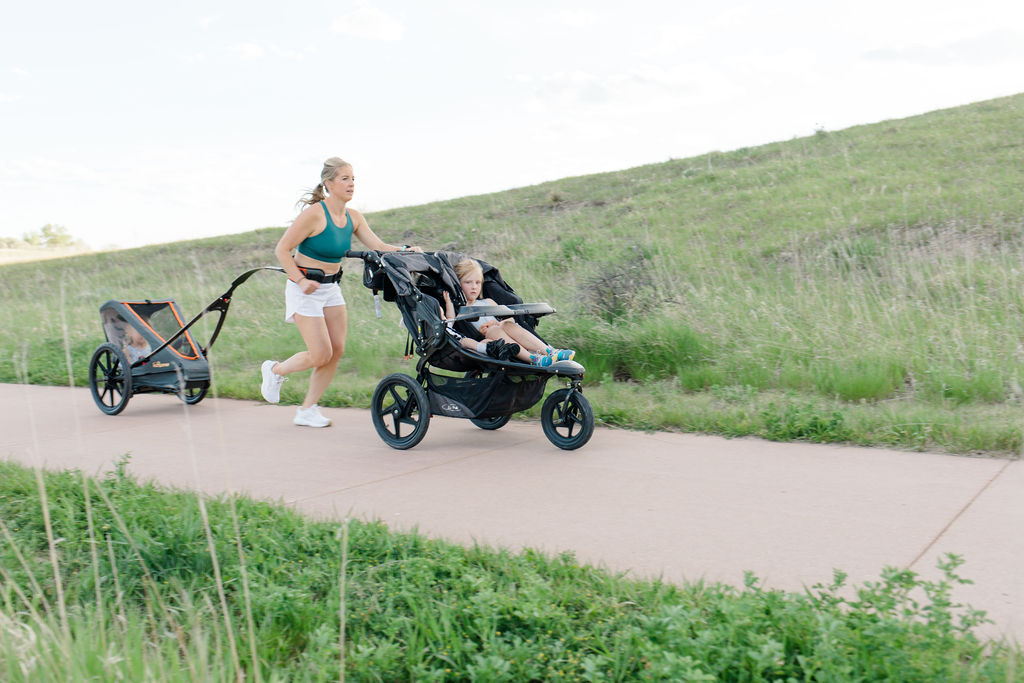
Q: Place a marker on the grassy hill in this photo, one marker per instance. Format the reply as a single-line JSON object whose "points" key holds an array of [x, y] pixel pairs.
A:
{"points": [[860, 286]]}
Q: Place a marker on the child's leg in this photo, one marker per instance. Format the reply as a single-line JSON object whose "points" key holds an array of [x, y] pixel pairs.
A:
{"points": [[499, 332], [522, 336], [532, 343]]}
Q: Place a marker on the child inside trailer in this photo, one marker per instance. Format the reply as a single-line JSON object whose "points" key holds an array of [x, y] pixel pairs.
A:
{"points": [[134, 345], [124, 336], [517, 341]]}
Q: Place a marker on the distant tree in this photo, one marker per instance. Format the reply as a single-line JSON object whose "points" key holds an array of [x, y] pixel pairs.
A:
{"points": [[52, 236]]}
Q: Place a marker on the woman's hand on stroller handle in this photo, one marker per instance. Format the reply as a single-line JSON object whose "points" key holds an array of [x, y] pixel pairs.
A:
{"points": [[373, 256]]}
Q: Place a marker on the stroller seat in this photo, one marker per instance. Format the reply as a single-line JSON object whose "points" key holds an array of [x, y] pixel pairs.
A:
{"points": [[508, 305]]}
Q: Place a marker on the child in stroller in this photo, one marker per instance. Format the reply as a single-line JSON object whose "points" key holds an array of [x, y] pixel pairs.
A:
{"points": [[520, 342]]}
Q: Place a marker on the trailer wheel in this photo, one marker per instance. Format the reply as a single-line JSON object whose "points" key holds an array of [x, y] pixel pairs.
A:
{"points": [[400, 411], [193, 395], [110, 379]]}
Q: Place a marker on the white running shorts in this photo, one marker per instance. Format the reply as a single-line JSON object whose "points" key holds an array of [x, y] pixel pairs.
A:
{"points": [[311, 305]]}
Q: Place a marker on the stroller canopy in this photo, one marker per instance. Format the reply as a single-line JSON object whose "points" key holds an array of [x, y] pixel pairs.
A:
{"points": [[145, 325]]}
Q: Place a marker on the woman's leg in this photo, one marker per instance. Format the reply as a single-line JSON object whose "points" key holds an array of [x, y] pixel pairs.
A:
{"points": [[336, 325], [318, 343], [325, 344]]}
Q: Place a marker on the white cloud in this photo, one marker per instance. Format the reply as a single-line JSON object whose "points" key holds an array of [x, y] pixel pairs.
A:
{"points": [[200, 193], [570, 91], [45, 170], [576, 18], [286, 53], [370, 23], [248, 51], [573, 88], [994, 46], [586, 87]]}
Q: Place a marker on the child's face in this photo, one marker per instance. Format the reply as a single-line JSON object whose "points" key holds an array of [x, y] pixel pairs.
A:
{"points": [[471, 285]]}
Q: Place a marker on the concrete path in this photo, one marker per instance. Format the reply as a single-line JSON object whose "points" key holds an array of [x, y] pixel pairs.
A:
{"points": [[678, 506]]}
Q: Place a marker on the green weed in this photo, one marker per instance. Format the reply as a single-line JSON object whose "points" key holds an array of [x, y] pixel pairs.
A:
{"points": [[803, 423], [142, 604]]}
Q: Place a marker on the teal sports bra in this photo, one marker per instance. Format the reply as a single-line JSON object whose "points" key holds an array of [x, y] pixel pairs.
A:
{"points": [[330, 245]]}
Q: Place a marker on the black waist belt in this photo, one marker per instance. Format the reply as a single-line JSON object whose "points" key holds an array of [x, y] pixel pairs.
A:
{"points": [[320, 276]]}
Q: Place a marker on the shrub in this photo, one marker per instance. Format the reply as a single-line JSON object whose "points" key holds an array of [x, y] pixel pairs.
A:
{"points": [[621, 286], [803, 423]]}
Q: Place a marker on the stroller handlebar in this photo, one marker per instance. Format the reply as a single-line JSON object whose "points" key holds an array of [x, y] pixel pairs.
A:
{"points": [[372, 256]]}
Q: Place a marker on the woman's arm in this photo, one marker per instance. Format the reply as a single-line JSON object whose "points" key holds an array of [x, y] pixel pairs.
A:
{"points": [[361, 229], [301, 228]]}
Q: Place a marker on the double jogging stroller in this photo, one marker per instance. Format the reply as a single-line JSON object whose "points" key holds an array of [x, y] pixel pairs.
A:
{"points": [[457, 382]]}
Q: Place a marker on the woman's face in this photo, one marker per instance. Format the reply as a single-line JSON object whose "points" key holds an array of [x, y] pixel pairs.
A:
{"points": [[471, 285], [343, 184]]}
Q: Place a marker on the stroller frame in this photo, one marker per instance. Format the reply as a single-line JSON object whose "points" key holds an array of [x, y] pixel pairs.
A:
{"points": [[485, 390]]}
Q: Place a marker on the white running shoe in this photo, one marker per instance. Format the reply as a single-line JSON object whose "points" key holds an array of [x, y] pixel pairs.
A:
{"points": [[271, 387], [311, 417]]}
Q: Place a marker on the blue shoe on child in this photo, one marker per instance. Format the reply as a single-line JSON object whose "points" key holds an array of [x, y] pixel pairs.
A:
{"points": [[561, 354], [541, 360]]}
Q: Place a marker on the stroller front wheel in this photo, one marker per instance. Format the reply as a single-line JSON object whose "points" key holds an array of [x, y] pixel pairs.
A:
{"points": [[567, 419], [400, 411]]}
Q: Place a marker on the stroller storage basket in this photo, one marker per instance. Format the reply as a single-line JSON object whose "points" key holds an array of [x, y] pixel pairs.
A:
{"points": [[486, 396]]}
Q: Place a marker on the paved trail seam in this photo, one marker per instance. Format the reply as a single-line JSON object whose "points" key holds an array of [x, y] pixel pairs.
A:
{"points": [[960, 513]]}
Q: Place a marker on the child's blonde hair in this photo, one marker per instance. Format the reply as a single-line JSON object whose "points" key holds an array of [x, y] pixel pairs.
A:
{"points": [[466, 267]]}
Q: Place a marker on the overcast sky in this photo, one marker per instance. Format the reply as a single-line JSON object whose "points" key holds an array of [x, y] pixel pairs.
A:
{"points": [[139, 123]]}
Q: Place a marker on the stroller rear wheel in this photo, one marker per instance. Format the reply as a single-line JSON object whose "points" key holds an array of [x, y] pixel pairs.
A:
{"points": [[491, 423], [400, 411], [110, 379], [567, 419]]}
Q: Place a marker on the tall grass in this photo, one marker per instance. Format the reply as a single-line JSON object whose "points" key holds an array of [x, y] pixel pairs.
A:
{"points": [[876, 272], [329, 599]]}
